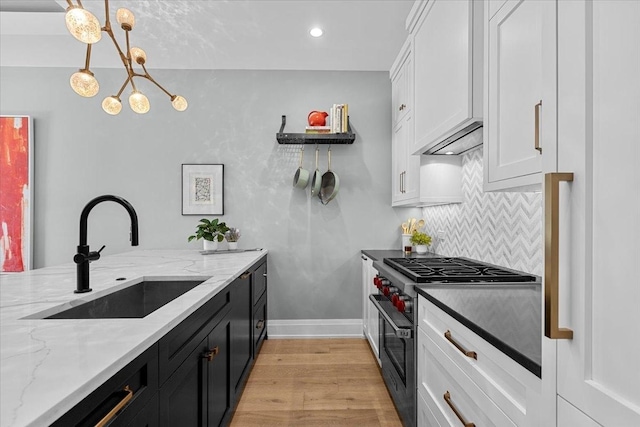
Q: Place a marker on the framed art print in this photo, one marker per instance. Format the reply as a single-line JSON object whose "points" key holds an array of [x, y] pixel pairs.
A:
{"points": [[16, 193], [202, 189]]}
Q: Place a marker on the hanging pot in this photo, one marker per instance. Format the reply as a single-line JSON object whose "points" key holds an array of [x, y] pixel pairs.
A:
{"points": [[317, 178], [330, 183], [301, 178]]}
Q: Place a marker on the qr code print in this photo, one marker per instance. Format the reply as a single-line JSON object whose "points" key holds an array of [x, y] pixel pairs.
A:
{"points": [[203, 189]]}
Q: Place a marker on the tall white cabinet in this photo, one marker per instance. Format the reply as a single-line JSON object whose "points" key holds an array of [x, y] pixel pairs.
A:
{"points": [[592, 222]]}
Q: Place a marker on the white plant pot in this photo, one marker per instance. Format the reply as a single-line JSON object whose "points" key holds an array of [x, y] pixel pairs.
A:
{"points": [[421, 249], [233, 246], [210, 246]]}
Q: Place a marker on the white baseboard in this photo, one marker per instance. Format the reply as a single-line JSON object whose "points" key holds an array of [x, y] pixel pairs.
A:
{"points": [[315, 328]]}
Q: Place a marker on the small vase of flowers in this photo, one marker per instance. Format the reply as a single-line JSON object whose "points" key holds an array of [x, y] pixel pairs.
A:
{"points": [[232, 235]]}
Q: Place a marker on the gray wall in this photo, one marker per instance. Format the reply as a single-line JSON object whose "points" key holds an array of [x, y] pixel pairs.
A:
{"points": [[81, 152]]}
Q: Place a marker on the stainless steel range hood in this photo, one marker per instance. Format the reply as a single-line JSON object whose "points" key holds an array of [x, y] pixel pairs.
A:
{"points": [[466, 139]]}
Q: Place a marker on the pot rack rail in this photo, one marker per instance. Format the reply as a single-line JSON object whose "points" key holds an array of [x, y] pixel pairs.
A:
{"points": [[314, 138]]}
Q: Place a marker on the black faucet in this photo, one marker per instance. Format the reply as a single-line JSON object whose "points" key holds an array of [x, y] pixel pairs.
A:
{"points": [[84, 256]]}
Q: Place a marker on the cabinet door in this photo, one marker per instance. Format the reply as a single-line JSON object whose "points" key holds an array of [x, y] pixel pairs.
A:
{"points": [[219, 394], [447, 81], [369, 312], [520, 51], [183, 395], [241, 328], [598, 211], [401, 83], [405, 167]]}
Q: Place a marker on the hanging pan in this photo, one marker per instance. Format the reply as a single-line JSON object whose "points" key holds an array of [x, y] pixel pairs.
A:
{"points": [[301, 177], [330, 183], [317, 178]]}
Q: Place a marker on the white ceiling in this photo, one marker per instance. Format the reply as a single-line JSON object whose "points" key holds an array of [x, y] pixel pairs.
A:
{"points": [[215, 34]]}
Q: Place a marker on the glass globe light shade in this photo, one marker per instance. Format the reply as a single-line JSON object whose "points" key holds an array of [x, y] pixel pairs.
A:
{"points": [[111, 105], [139, 102], [83, 25], [138, 55], [84, 84], [126, 19], [179, 103]]}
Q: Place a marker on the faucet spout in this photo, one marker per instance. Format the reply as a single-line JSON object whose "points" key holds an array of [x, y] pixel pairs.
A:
{"points": [[84, 256]]}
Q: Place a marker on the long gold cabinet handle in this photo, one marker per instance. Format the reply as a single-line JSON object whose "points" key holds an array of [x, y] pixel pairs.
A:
{"points": [[245, 275], [551, 255], [447, 398], [468, 353], [112, 413], [537, 146]]}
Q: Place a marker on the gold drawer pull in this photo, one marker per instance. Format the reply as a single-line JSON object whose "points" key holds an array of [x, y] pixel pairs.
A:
{"points": [[537, 127], [551, 255], [468, 353], [245, 275], [107, 418], [447, 398], [260, 324], [211, 354]]}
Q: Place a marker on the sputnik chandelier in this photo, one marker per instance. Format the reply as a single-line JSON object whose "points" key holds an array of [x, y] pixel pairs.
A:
{"points": [[85, 27]]}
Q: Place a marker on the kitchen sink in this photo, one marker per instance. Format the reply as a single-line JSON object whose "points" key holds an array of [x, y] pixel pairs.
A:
{"points": [[135, 301]]}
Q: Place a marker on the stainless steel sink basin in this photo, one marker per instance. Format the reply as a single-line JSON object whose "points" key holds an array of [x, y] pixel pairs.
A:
{"points": [[134, 301]]}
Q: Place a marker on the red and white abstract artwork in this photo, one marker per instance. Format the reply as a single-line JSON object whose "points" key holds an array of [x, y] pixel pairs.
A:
{"points": [[15, 193]]}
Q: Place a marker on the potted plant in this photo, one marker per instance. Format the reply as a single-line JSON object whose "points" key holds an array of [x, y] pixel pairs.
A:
{"points": [[232, 236], [421, 241], [211, 232]]}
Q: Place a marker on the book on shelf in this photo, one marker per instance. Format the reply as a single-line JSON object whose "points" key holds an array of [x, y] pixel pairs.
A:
{"points": [[340, 118]]}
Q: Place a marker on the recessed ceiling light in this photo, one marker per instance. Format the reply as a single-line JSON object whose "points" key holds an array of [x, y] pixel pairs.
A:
{"points": [[448, 153], [316, 32]]}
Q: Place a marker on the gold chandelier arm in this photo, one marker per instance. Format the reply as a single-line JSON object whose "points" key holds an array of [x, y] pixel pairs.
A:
{"points": [[124, 85], [128, 50], [88, 57], [80, 4], [148, 77], [123, 58], [69, 3], [106, 13]]}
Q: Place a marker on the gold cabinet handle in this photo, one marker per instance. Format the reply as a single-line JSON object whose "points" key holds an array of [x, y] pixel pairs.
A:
{"points": [[468, 353], [537, 146], [551, 255], [447, 398], [245, 275], [260, 324], [112, 413], [211, 354]]}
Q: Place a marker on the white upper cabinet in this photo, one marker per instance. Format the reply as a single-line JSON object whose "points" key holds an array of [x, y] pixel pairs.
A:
{"points": [[447, 45], [520, 97], [402, 83]]}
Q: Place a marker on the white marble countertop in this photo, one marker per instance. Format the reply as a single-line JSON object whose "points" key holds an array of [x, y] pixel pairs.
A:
{"points": [[49, 365]]}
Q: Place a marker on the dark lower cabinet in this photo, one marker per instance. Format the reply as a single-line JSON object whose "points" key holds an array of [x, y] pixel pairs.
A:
{"points": [[195, 374], [241, 335], [182, 397], [219, 390]]}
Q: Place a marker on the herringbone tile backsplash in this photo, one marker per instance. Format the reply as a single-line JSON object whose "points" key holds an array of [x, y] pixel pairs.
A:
{"points": [[498, 228]]}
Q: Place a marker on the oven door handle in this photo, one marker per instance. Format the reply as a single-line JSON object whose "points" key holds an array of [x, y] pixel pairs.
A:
{"points": [[400, 332]]}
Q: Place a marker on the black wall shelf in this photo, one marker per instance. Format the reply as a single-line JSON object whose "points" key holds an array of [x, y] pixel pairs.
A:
{"points": [[315, 138]]}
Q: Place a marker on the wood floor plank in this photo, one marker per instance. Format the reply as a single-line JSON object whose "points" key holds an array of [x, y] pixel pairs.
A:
{"points": [[316, 382]]}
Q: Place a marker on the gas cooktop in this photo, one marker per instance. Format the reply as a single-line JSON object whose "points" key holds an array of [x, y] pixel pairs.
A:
{"points": [[455, 270]]}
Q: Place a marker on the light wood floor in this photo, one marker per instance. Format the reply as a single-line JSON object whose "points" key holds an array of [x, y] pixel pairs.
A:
{"points": [[329, 382]]}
